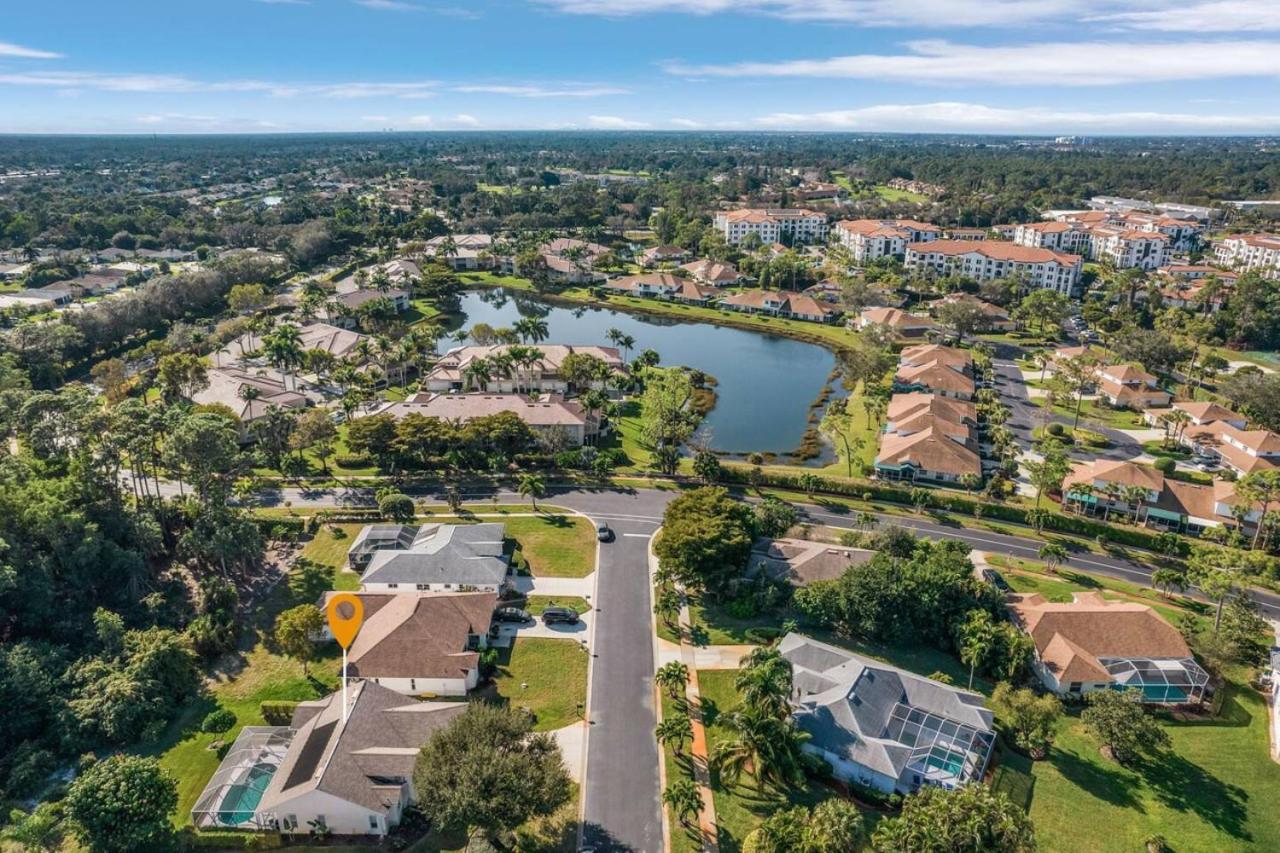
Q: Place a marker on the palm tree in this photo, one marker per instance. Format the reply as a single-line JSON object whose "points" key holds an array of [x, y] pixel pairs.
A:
{"points": [[627, 343], [666, 606], [1135, 496], [977, 636], [684, 799], [770, 746], [1053, 555], [1166, 580], [615, 336], [532, 329], [477, 374], [810, 482], [765, 681], [676, 730], [532, 487], [673, 676], [284, 348]]}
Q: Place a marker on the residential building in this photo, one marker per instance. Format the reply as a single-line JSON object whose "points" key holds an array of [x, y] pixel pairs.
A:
{"points": [[658, 255], [1243, 451], [562, 422], [351, 775], [713, 272], [344, 307], [663, 286], [1093, 643], [1199, 413], [1127, 248], [936, 369], [1058, 236], [336, 341], [871, 239], [902, 323], [540, 377], [421, 644], [782, 303], [929, 437], [431, 557], [1041, 268], [966, 233], [1109, 487], [249, 395], [773, 225], [468, 252], [1250, 252], [1197, 286], [884, 727], [994, 318], [1126, 386]]}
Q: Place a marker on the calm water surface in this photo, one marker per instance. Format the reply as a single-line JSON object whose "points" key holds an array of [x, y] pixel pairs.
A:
{"points": [[766, 382]]}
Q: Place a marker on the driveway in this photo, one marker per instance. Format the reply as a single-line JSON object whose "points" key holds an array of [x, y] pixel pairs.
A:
{"points": [[579, 630]]}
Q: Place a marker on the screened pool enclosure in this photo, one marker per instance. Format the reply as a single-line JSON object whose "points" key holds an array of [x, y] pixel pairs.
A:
{"points": [[1165, 681], [230, 800]]}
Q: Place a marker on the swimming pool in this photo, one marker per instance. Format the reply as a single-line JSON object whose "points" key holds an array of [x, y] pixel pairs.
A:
{"points": [[241, 800]]}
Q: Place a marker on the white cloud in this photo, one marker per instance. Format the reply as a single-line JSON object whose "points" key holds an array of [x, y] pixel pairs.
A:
{"points": [[614, 123], [420, 121], [171, 83], [389, 5], [531, 91], [870, 13], [978, 118], [685, 122], [179, 118], [17, 51], [1053, 64], [376, 119], [465, 120], [1216, 16]]}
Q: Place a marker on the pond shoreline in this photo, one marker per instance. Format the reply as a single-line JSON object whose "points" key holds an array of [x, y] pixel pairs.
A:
{"points": [[659, 309]]}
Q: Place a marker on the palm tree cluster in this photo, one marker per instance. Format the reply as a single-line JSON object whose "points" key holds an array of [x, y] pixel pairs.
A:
{"points": [[763, 739]]}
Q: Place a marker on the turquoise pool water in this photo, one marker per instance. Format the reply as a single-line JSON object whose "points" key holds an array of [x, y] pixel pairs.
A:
{"points": [[241, 801]]}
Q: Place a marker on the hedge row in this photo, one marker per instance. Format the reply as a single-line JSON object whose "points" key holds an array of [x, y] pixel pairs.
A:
{"points": [[278, 713], [872, 490]]}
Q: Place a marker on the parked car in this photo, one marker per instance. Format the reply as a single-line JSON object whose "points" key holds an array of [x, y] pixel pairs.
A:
{"points": [[512, 614], [604, 533], [559, 615], [996, 579]]}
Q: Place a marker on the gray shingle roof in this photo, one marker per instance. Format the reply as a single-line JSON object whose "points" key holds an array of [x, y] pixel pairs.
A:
{"points": [[879, 716], [470, 554]]}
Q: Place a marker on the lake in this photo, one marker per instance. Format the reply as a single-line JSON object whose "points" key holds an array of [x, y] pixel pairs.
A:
{"points": [[766, 383]]}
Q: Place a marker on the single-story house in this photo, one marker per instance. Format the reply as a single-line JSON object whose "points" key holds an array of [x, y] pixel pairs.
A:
{"points": [[541, 377], [994, 318], [1093, 643], [1110, 487], [1242, 450], [884, 727], [663, 254], [430, 557], [781, 303], [421, 643], [935, 369], [714, 273], [470, 251], [349, 777], [663, 285], [1199, 413], [226, 387], [564, 422], [902, 323]]}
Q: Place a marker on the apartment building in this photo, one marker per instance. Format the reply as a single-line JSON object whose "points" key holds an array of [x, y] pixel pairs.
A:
{"points": [[1058, 236], [1128, 387], [773, 225], [1040, 268], [1127, 240], [1127, 248], [1259, 252], [871, 239]]}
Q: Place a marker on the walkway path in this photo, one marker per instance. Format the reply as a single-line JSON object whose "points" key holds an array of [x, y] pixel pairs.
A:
{"points": [[699, 752]]}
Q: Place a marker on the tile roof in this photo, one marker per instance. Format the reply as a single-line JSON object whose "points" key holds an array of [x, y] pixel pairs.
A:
{"points": [[1121, 473], [929, 449], [896, 319], [995, 250]]}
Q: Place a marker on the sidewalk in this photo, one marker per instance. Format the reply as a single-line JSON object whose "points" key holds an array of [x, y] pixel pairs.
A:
{"points": [[698, 750], [704, 657]]}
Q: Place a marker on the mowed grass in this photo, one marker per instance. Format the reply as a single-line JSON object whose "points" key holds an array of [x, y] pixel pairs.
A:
{"points": [[741, 807], [548, 677], [535, 604], [554, 545], [243, 680]]}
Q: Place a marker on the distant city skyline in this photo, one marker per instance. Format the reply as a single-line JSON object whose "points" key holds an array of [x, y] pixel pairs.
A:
{"points": [[1095, 67]]}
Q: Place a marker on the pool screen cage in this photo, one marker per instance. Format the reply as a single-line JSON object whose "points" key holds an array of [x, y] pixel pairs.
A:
{"points": [[230, 799], [943, 752], [1162, 682]]}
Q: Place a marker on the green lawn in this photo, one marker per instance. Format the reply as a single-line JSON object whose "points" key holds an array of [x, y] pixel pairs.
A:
{"points": [[1159, 448], [890, 194], [555, 546], [1091, 411], [535, 604], [555, 672], [253, 675], [329, 548], [864, 437]]}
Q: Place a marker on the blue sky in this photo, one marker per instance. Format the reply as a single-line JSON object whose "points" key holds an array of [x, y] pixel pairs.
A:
{"points": [[1017, 66]]}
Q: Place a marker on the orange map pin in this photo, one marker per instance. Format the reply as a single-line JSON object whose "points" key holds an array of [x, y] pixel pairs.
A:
{"points": [[346, 615]]}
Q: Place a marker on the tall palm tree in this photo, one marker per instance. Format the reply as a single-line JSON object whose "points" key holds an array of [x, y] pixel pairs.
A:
{"points": [[477, 374], [676, 730], [769, 747], [283, 347], [673, 677], [684, 799], [1053, 555], [765, 681], [532, 486], [977, 636]]}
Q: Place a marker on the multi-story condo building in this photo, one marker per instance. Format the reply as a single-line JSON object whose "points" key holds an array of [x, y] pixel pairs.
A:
{"points": [[1126, 248], [1040, 268], [1259, 252], [773, 225], [1058, 236], [871, 239]]}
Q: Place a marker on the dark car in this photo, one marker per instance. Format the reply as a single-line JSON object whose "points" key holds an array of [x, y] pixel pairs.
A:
{"points": [[559, 615], [511, 614], [603, 532], [996, 579]]}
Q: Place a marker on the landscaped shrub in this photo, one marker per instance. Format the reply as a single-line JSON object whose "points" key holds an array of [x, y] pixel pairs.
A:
{"points": [[1164, 465], [743, 607], [278, 713], [1056, 428], [353, 460], [219, 720], [763, 634]]}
